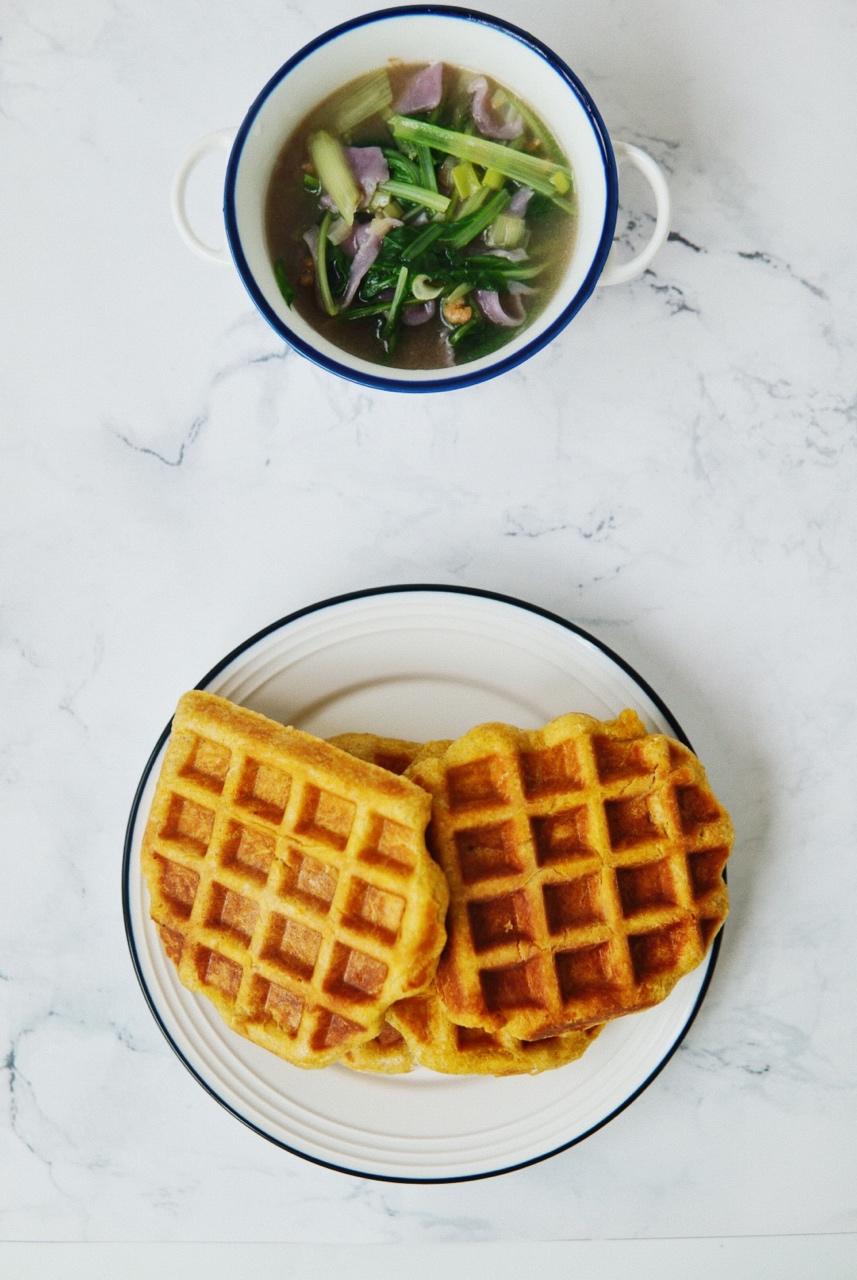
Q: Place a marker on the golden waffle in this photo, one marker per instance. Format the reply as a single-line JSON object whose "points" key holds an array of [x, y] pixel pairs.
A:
{"points": [[388, 1053], [584, 863], [290, 881], [428, 1036], [438, 1043], [393, 754]]}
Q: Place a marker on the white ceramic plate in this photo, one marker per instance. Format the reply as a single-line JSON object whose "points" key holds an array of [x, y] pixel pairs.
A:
{"points": [[422, 662]]}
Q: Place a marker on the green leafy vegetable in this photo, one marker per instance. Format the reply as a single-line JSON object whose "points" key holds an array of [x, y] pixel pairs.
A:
{"points": [[390, 323], [416, 195], [287, 289], [401, 168], [533, 171], [428, 177], [422, 242], [460, 233], [363, 313]]}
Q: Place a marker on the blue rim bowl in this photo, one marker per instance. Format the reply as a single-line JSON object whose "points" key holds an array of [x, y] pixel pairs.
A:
{"points": [[503, 363]]}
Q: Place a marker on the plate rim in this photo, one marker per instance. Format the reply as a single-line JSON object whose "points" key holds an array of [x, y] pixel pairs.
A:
{"points": [[243, 646]]}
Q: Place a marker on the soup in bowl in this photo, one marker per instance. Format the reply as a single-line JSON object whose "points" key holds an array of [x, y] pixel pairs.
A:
{"points": [[420, 217], [501, 177]]}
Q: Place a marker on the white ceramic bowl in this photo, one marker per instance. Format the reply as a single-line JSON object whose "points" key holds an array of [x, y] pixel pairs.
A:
{"points": [[422, 33]]}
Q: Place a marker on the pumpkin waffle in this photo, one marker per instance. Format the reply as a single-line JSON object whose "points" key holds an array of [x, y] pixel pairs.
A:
{"points": [[387, 1054], [393, 754], [289, 880], [438, 1043], [584, 863]]}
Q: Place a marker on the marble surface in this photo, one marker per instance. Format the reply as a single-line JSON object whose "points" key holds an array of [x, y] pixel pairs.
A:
{"points": [[676, 473]]}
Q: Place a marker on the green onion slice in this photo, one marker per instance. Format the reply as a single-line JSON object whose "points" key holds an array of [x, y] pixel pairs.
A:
{"points": [[423, 289]]}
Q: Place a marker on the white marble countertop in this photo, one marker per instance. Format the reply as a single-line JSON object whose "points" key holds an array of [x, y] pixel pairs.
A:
{"points": [[676, 473]]}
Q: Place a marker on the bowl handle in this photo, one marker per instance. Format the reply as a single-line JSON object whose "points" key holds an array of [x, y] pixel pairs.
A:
{"points": [[621, 272], [221, 140]]}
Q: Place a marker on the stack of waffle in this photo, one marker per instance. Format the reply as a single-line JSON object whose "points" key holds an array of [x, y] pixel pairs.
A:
{"points": [[569, 875]]}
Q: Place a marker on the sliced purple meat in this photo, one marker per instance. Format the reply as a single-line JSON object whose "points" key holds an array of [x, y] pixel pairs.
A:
{"points": [[488, 121], [513, 255], [370, 169], [311, 240], [517, 206], [419, 312], [423, 90], [367, 245], [492, 308]]}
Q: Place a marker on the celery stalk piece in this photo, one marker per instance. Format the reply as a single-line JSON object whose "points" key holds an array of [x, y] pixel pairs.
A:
{"points": [[460, 291], [532, 171], [466, 179], [371, 96], [460, 233], [493, 178], [417, 195], [505, 232], [334, 171], [473, 202], [428, 177], [396, 304], [321, 267], [338, 231]]}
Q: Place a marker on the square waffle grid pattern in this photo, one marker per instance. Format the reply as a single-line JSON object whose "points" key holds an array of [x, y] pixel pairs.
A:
{"points": [[280, 898], [439, 1044], [585, 870], [386, 1054], [393, 754]]}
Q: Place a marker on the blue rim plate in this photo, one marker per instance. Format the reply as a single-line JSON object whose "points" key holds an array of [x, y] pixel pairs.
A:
{"points": [[378, 381], [310, 1113]]}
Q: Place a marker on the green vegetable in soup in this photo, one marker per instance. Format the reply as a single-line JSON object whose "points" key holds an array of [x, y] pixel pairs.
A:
{"points": [[546, 176], [507, 231], [369, 97], [287, 289], [458, 234], [428, 178], [334, 171], [416, 195], [409, 215], [423, 289], [396, 304], [321, 267]]}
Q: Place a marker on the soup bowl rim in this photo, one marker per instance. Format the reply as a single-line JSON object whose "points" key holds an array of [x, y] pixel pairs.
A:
{"points": [[458, 376]]}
